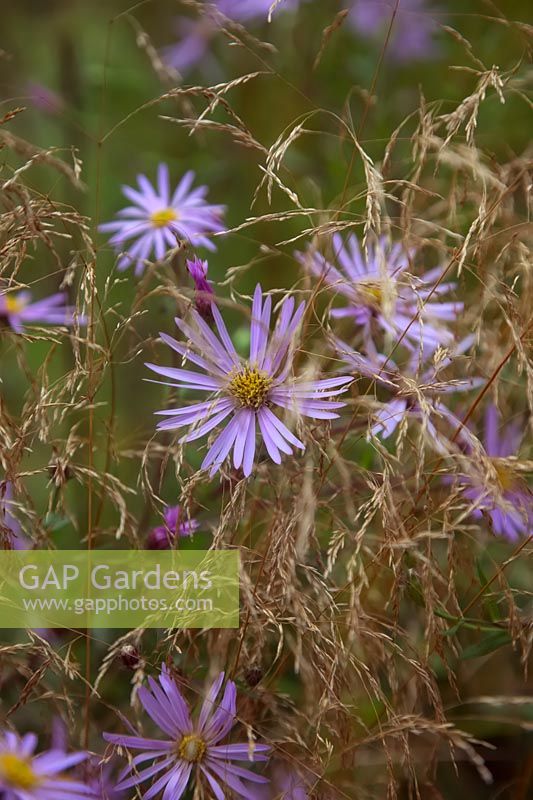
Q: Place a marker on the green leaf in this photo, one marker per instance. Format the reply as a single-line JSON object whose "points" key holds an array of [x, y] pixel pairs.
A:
{"points": [[489, 604], [54, 522], [491, 642]]}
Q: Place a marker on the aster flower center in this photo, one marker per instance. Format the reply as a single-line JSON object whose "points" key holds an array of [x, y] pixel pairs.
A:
{"points": [[505, 474], [192, 748], [161, 218], [14, 305], [250, 386], [371, 293], [17, 771]]}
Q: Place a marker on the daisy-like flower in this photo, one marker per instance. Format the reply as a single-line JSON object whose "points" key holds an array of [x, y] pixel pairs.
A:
{"points": [[176, 524], [204, 291], [500, 495], [159, 219], [415, 390], [193, 747], [18, 310], [382, 296], [413, 30], [26, 776], [246, 390]]}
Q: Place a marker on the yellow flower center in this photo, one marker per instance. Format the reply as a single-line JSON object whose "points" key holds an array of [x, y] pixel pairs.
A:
{"points": [[371, 293], [17, 771], [506, 475], [14, 304], [192, 748], [160, 219], [250, 386]]}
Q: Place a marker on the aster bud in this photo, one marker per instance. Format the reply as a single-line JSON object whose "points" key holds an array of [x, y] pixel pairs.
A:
{"points": [[160, 538], [163, 536], [204, 291], [130, 657], [253, 676]]}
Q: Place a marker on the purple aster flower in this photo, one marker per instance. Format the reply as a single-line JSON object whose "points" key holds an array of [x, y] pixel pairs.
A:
{"points": [[194, 35], [245, 390], [288, 783], [25, 776], [102, 781], [291, 785], [192, 45], [163, 537], [18, 310], [243, 10], [382, 295], [494, 485], [415, 390], [191, 746], [159, 219], [204, 290], [11, 530], [412, 35], [9, 525]]}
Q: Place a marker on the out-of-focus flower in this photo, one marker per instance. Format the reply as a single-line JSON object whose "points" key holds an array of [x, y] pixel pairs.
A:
{"points": [[291, 785], [11, 531], [163, 536], [381, 294], [25, 776], [288, 783], [44, 98], [194, 36], [415, 390], [159, 219], [413, 31], [493, 484], [18, 310], [9, 525], [245, 390], [191, 746], [243, 10], [204, 291], [102, 780]]}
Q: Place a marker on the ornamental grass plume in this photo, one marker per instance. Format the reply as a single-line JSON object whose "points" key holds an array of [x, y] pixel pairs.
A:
{"points": [[194, 748], [245, 390], [159, 219]]}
